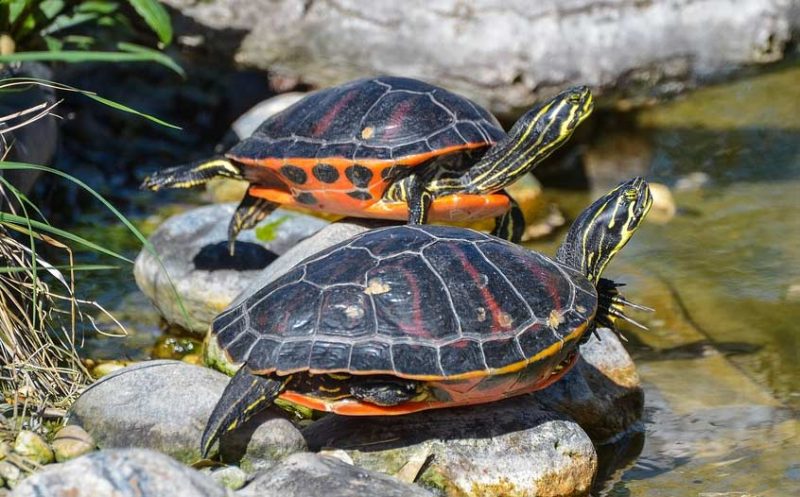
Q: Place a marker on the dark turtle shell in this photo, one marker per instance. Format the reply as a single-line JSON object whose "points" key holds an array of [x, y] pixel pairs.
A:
{"points": [[384, 118], [423, 302]]}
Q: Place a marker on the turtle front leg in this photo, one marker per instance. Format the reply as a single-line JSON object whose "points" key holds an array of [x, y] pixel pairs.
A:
{"points": [[245, 395], [419, 200], [249, 213], [511, 225]]}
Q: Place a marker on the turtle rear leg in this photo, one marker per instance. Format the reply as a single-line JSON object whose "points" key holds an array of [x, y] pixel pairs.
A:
{"points": [[189, 175], [511, 225], [250, 212], [419, 200], [245, 395]]}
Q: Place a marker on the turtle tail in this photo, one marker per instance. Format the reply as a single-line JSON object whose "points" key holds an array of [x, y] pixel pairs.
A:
{"points": [[189, 175], [611, 305], [245, 395]]}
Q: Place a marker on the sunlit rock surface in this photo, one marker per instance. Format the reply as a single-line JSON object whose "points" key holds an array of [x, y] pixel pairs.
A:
{"points": [[193, 249], [504, 53]]}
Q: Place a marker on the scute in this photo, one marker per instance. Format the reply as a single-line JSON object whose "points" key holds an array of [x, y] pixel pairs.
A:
{"points": [[484, 302], [382, 118], [346, 265], [410, 300]]}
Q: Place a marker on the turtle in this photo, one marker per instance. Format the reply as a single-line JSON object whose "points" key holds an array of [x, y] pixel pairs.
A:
{"points": [[412, 317], [388, 148]]}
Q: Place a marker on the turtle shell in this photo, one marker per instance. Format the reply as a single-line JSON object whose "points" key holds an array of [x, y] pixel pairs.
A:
{"points": [[419, 302], [338, 149]]}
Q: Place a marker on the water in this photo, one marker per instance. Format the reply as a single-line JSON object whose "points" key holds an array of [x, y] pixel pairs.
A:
{"points": [[721, 362]]}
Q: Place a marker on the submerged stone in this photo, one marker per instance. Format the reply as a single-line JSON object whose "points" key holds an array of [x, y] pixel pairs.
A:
{"points": [[121, 473]]}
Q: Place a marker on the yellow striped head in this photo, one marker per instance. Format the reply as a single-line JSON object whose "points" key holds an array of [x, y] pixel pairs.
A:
{"points": [[604, 227], [554, 121]]}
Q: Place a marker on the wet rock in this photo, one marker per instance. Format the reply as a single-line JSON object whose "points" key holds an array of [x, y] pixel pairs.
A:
{"points": [[493, 51], [229, 477], [161, 405], [72, 441], [693, 181], [121, 473], [602, 392], [311, 475], [193, 249], [33, 447], [262, 441], [503, 448]]}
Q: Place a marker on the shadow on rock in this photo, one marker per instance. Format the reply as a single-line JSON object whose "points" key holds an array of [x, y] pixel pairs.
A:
{"points": [[247, 256]]}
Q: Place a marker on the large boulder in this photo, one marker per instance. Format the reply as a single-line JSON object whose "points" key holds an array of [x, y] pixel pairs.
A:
{"points": [[504, 53], [193, 253], [121, 473], [164, 405], [502, 448]]}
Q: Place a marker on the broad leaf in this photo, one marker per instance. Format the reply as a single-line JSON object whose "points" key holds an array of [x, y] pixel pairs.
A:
{"points": [[156, 16]]}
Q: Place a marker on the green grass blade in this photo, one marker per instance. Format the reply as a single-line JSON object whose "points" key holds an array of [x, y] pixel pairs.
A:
{"points": [[76, 267], [156, 16], [24, 224], [73, 56], [125, 108]]}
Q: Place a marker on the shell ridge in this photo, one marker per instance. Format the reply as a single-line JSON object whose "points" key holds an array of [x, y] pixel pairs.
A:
{"points": [[444, 286], [532, 315], [432, 97]]}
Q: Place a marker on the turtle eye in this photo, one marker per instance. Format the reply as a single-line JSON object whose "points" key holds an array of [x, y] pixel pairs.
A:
{"points": [[574, 98], [631, 194]]}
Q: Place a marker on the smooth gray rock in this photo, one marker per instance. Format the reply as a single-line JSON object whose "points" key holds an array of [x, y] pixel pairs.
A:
{"points": [[229, 477], [160, 405], [502, 448], [311, 475], [164, 405], [504, 53], [121, 473], [193, 249], [263, 441]]}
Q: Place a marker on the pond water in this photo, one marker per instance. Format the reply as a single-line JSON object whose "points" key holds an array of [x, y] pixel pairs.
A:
{"points": [[721, 362]]}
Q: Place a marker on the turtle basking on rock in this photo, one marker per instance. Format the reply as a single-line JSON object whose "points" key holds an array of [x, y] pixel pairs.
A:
{"points": [[389, 148], [407, 318]]}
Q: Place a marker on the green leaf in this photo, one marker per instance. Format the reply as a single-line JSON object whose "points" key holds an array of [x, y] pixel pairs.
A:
{"points": [[156, 16], [51, 8], [15, 8], [68, 21], [73, 56], [53, 44], [98, 7], [267, 232]]}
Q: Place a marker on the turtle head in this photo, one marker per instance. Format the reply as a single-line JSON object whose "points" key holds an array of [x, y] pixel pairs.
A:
{"points": [[604, 227], [552, 122]]}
